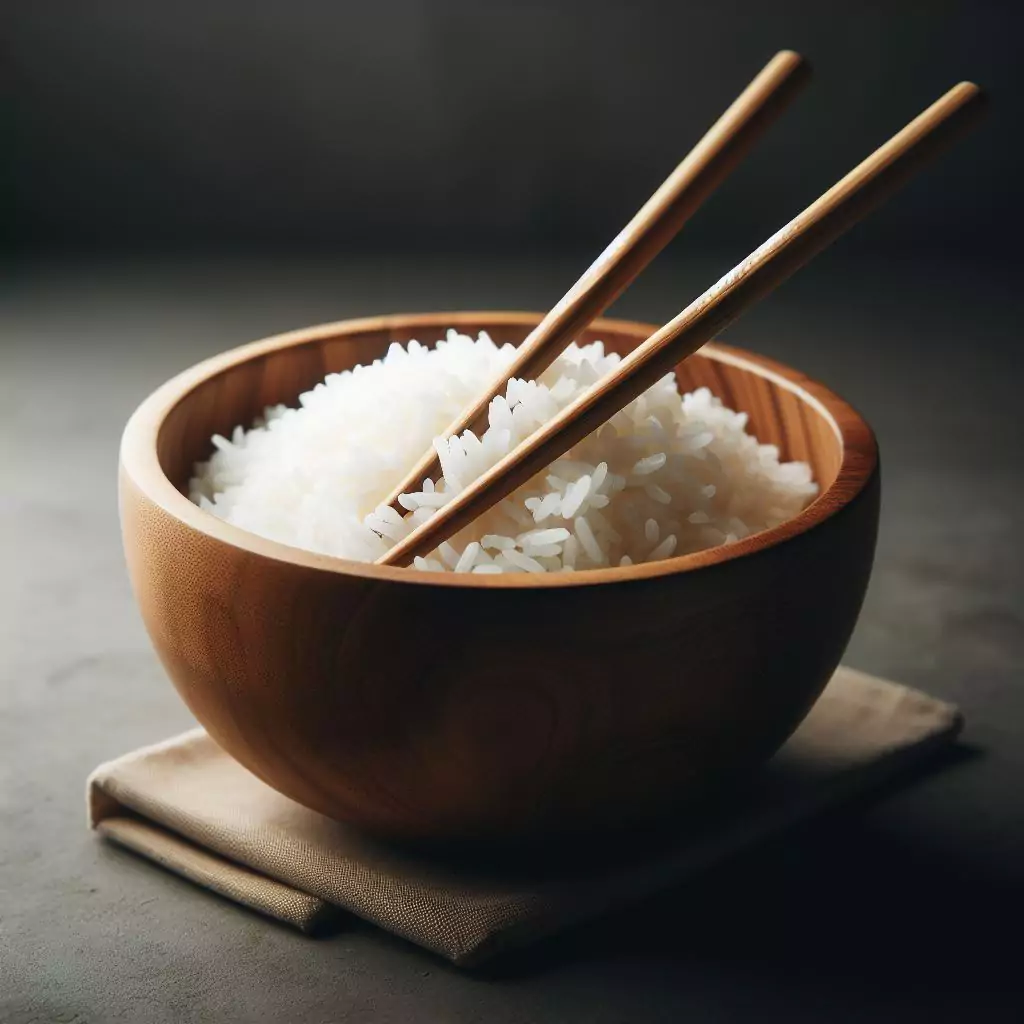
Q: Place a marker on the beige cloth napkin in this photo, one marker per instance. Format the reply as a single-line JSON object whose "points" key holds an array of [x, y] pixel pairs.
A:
{"points": [[189, 807]]}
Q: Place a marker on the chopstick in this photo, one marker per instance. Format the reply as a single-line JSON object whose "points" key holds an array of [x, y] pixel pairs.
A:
{"points": [[820, 224], [654, 226]]}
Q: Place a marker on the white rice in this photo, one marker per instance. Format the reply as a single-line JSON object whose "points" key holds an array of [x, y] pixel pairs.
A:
{"points": [[669, 474]]}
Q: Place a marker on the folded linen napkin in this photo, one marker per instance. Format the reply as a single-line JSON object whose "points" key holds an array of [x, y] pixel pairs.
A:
{"points": [[191, 808]]}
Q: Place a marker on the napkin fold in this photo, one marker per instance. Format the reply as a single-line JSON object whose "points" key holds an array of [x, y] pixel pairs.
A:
{"points": [[188, 806]]}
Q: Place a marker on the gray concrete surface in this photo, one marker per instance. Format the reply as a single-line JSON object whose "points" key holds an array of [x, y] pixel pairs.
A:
{"points": [[903, 910]]}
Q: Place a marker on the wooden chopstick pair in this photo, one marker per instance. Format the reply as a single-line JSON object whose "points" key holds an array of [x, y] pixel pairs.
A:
{"points": [[820, 224]]}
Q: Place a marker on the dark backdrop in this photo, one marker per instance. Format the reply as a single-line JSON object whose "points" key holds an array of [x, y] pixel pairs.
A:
{"points": [[439, 124]]}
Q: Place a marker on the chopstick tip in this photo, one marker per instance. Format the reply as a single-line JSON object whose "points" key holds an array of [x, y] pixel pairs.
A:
{"points": [[790, 57], [970, 96], [794, 65]]}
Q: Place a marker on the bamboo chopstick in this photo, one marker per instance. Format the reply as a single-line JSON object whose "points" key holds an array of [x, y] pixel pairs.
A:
{"points": [[654, 226], [825, 220]]}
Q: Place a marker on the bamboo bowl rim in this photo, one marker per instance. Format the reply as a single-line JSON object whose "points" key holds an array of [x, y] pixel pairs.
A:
{"points": [[859, 459]]}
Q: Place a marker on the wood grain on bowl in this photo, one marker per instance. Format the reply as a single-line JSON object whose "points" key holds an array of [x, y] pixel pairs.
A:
{"points": [[441, 706]]}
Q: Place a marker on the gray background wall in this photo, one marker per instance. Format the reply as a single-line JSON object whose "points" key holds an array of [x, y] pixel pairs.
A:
{"points": [[445, 124]]}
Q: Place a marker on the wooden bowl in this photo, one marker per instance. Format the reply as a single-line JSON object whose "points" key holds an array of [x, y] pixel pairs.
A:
{"points": [[432, 706]]}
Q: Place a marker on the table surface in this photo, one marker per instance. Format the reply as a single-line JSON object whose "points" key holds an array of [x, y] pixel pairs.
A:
{"points": [[900, 910]]}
